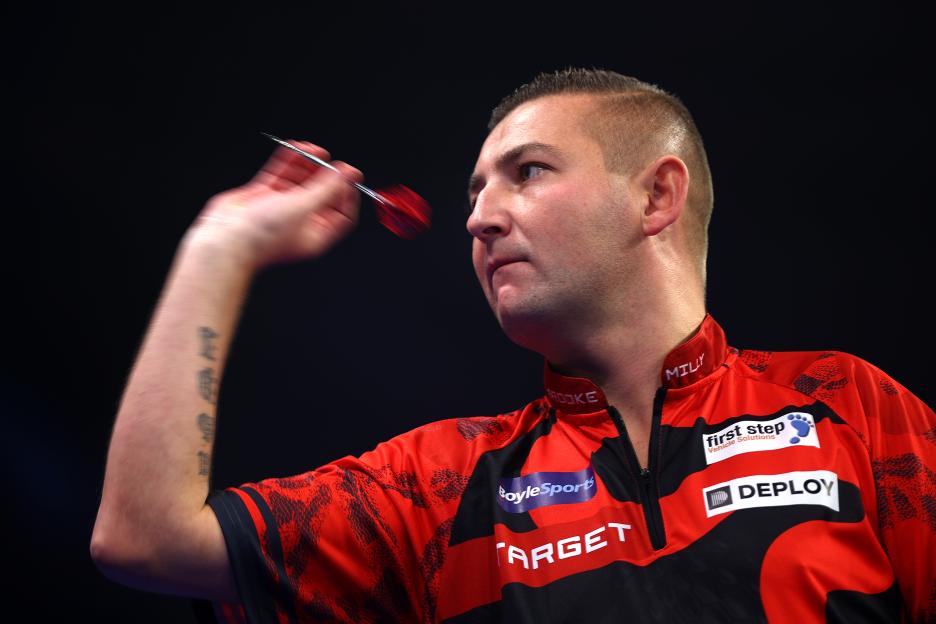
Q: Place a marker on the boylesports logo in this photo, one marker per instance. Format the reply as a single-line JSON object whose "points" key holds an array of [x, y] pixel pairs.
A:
{"points": [[541, 489], [746, 436], [816, 487]]}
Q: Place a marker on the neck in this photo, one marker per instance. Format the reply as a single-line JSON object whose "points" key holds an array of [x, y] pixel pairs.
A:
{"points": [[625, 358]]}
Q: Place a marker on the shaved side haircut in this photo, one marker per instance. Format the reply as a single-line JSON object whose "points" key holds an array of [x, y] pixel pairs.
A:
{"points": [[634, 123]]}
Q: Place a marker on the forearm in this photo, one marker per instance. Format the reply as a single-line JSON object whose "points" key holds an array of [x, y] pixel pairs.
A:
{"points": [[159, 460]]}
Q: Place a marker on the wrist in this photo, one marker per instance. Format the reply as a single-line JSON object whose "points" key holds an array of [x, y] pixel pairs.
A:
{"points": [[215, 239]]}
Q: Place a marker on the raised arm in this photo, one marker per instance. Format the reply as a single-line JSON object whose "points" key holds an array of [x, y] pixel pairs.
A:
{"points": [[153, 529]]}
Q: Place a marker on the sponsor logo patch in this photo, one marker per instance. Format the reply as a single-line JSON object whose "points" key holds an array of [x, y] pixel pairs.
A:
{"points": [[566, 548], [541, 489], [746, 436], [816, 487], [719, 497]]}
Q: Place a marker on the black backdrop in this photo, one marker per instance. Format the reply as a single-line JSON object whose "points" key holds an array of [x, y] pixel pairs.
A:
{"points": [[126, 120]]}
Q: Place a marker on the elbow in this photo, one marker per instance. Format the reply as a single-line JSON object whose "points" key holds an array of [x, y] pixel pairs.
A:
{"points": [[104, 555], [122, 567], [115, 559], [101, 550], [129, 558], [105, 560]]}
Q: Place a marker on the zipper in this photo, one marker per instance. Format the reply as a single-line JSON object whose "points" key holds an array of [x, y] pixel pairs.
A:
{"points": [[649, 488]]}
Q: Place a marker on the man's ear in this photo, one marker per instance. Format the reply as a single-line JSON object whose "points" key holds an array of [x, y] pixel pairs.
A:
{"points": [[666, 184]]}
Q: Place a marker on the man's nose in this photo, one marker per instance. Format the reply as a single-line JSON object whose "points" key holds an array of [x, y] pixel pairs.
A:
{"points": [[489, 217]]}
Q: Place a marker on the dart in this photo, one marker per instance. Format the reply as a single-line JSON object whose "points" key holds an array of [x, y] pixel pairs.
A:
{"points": [[399, 209]]}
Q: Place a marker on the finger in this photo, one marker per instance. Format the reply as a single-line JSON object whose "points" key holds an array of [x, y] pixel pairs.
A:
{"points": [[349, 204], [319, 193], [303, 167], [352, 173], [341, 169], [346, 200], [331, 221], [300, 171], [286, 168]]}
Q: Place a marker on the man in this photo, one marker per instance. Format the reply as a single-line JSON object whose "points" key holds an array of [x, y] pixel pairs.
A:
{"points": [[664, 476]]}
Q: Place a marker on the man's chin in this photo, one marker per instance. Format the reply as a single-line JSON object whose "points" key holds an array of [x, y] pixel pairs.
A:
{"points": [[525, 327]]}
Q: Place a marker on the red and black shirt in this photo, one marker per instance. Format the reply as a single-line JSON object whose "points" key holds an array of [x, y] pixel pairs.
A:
{"points": [[794, 487]]}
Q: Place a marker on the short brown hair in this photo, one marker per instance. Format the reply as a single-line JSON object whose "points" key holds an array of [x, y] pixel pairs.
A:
{"points": [[635, 121]]}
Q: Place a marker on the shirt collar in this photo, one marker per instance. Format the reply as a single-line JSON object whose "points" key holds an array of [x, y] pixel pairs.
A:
{"points": [[689, 362]]}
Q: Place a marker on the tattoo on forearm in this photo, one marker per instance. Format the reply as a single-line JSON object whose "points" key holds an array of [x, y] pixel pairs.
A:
{"points": [[204, 463], [208, 385], [207, 345], [208, 389], [206, 425]]}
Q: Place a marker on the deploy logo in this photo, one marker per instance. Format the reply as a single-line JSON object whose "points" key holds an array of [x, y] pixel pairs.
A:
{"points": [[718, 497], [542, 489], [816, 487], [746, 436]]}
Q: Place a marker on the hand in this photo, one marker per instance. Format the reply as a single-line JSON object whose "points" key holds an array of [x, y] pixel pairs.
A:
{"points": [[291, 210]]}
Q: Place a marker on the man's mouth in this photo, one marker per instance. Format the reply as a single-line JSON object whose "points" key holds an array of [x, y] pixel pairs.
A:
{"points": [[495, 264]]}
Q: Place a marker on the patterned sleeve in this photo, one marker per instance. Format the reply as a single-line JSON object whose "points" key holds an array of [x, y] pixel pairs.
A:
{"points": [[901, 437], [350, 541]]}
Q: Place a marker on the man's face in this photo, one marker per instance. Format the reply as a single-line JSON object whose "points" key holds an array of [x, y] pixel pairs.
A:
{"points": [[552, 227]]}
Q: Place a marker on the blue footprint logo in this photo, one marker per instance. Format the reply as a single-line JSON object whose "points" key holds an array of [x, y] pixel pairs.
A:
{"points": [[801, 425]]}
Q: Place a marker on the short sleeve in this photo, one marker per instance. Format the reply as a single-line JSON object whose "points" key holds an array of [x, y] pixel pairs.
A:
{"points": [[350, 541], [901, 438]]}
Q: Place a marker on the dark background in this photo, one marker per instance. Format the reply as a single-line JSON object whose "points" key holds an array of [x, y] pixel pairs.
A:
{"points": [[126, 121]]}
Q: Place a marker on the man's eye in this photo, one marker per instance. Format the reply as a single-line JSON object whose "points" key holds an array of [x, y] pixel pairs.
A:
{"points": [[528, 170]]}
